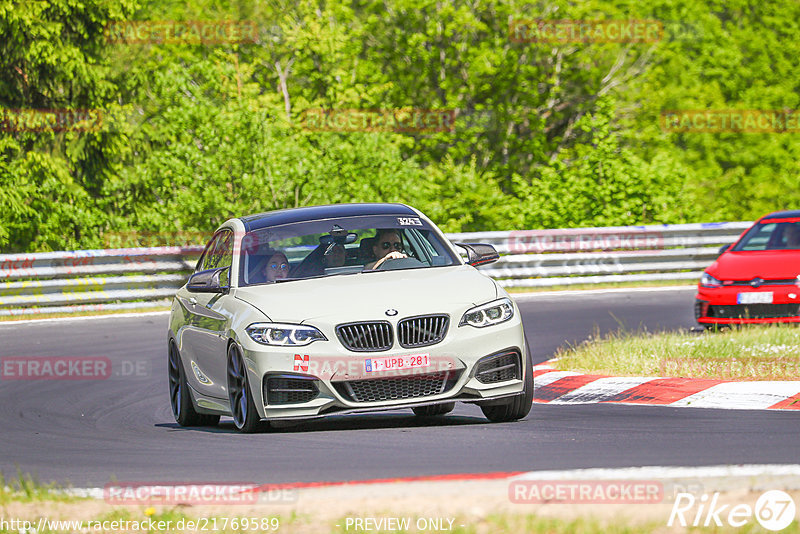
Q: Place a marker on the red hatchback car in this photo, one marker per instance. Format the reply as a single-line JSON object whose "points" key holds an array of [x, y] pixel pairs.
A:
{"points": [[757, 279]]}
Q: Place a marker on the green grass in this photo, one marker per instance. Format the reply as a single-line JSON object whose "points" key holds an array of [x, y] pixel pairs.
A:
{"points": [[752, 353], [26, 488]]}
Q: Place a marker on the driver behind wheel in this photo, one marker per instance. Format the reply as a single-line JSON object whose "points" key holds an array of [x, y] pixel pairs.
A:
{"points": [[387, 245]]}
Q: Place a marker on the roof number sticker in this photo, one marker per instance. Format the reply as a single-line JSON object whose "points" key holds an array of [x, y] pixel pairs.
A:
{"points": [[409, 221]]}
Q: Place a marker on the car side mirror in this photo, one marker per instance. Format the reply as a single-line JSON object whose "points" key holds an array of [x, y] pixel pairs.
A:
{"points": [[724, 248], [210, 281], [479, 253]]}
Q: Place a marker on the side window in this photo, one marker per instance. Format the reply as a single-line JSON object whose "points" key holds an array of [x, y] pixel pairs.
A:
{"points": [[218, 253], [222, 256], [204, 259]]}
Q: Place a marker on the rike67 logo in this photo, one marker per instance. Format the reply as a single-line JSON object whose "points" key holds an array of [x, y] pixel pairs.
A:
{"points": [[774, 510]]}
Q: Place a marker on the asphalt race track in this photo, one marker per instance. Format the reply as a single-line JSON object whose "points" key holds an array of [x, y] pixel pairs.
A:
{"points": [[91, 432]]}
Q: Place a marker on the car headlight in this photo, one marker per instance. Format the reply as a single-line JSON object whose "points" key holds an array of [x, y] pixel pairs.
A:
{"points": [[280, 335], [492, 313], [709, 281]]}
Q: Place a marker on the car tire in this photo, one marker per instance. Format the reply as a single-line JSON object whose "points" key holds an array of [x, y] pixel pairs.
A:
{"points": [[243, 409], [179, 396], [434, 409], [520, 405]]}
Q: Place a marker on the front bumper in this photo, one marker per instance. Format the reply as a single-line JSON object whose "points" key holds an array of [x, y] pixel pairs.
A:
{"points": [[721, 305], [325, 378]]}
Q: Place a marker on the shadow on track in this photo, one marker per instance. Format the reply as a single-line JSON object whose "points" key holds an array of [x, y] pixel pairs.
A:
{"points": [[341, 423]]}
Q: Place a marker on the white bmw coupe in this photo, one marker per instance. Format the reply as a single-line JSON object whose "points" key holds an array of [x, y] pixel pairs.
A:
{"points": [[308, 312]]}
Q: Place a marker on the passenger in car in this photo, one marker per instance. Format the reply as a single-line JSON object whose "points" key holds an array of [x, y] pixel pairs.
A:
{"points": [[276, 267], [387, 245]]}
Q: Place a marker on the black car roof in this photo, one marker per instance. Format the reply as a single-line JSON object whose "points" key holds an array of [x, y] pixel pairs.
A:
{"points": [[311, 213], [788, 213]]}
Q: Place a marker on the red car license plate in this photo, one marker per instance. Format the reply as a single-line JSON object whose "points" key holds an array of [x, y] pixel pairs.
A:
{"points": [[755, 297]]}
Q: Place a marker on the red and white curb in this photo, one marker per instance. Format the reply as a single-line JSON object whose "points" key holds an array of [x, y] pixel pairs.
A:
{"points": [[552, 386]]}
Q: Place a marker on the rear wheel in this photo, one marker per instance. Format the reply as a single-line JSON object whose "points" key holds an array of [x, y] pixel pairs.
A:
{"points": [[520, 405], [179, 396], [434, 410], [243, 409]]}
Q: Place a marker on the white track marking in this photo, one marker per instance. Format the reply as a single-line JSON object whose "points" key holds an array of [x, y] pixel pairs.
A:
{"points": [[548, 378], [741, 395], [658, 472]]}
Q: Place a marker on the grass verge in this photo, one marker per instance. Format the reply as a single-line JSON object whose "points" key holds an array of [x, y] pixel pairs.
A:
{"points": [[26, 489], [770, 352]]}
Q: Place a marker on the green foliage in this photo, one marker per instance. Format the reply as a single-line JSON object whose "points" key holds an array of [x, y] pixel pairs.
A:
{"points": [[51, 59], [545, 134]]}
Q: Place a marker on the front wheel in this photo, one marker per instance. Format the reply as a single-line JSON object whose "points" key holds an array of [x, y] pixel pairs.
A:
{"points": [[243, 409], [520, 405], [179, 396]]}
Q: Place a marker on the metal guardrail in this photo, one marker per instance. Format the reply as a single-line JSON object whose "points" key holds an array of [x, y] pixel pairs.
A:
{"points": [[92, 280], [542, 258], [114, 279]]}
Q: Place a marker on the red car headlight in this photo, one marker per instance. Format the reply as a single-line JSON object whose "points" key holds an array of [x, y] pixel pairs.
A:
{"points": [[709, 281]]}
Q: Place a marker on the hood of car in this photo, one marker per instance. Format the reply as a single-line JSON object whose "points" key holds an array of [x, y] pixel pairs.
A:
{"points": [[767, 264], [369, 296]]}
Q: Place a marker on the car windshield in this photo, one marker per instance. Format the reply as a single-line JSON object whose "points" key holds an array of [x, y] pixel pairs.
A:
{"points": [[771, 234], [340, 246]]}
